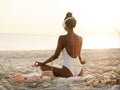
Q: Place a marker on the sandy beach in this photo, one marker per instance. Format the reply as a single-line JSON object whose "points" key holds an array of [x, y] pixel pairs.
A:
{"points": [[101, 71], [31, 30]]}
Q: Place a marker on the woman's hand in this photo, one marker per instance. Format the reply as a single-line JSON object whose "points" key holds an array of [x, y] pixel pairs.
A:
{"points": [[83, 62], [36, 64]]}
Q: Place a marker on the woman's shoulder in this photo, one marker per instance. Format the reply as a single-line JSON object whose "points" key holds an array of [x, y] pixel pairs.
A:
{"points": [[62, 36], [80, 37]]}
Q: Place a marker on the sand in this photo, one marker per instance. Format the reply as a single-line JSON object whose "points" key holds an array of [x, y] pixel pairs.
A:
{"points": [[101, 72]]}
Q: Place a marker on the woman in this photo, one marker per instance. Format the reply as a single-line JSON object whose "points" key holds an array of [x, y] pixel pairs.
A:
{"points": [[70, 45]]}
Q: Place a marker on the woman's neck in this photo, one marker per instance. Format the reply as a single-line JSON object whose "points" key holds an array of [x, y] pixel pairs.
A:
{"points": [[70, 31]]}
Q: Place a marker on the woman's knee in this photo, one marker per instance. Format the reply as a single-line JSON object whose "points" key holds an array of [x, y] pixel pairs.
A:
{"points": [[81, 73]]}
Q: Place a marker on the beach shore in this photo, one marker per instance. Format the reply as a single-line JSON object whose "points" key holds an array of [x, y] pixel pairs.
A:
{"points": [[100, 71]]}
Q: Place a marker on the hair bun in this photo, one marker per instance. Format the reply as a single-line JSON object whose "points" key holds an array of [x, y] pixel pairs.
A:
{"points": [[69, 14]]}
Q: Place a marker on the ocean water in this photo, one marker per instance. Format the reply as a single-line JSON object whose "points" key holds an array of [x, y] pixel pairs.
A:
{"points": [[49, 42], [27, 42]]}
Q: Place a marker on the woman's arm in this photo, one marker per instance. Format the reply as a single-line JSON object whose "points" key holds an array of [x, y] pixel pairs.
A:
{"points": [[59, 48], [81, 61]]}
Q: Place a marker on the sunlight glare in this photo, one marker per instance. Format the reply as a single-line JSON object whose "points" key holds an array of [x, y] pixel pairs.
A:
{"points": [[99, 42]]}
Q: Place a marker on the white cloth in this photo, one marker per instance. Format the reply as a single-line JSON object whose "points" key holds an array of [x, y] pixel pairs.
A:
{"points": [[64, 25], [73, 64]]}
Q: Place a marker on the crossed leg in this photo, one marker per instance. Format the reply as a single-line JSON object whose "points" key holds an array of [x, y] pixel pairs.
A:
{"points": [[58, 72]]}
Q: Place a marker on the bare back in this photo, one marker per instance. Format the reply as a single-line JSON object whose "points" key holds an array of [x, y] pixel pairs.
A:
{"points": [[73, 44]]}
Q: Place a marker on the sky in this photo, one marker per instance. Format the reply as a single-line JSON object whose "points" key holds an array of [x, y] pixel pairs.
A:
{"points": [[94, 17]]}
